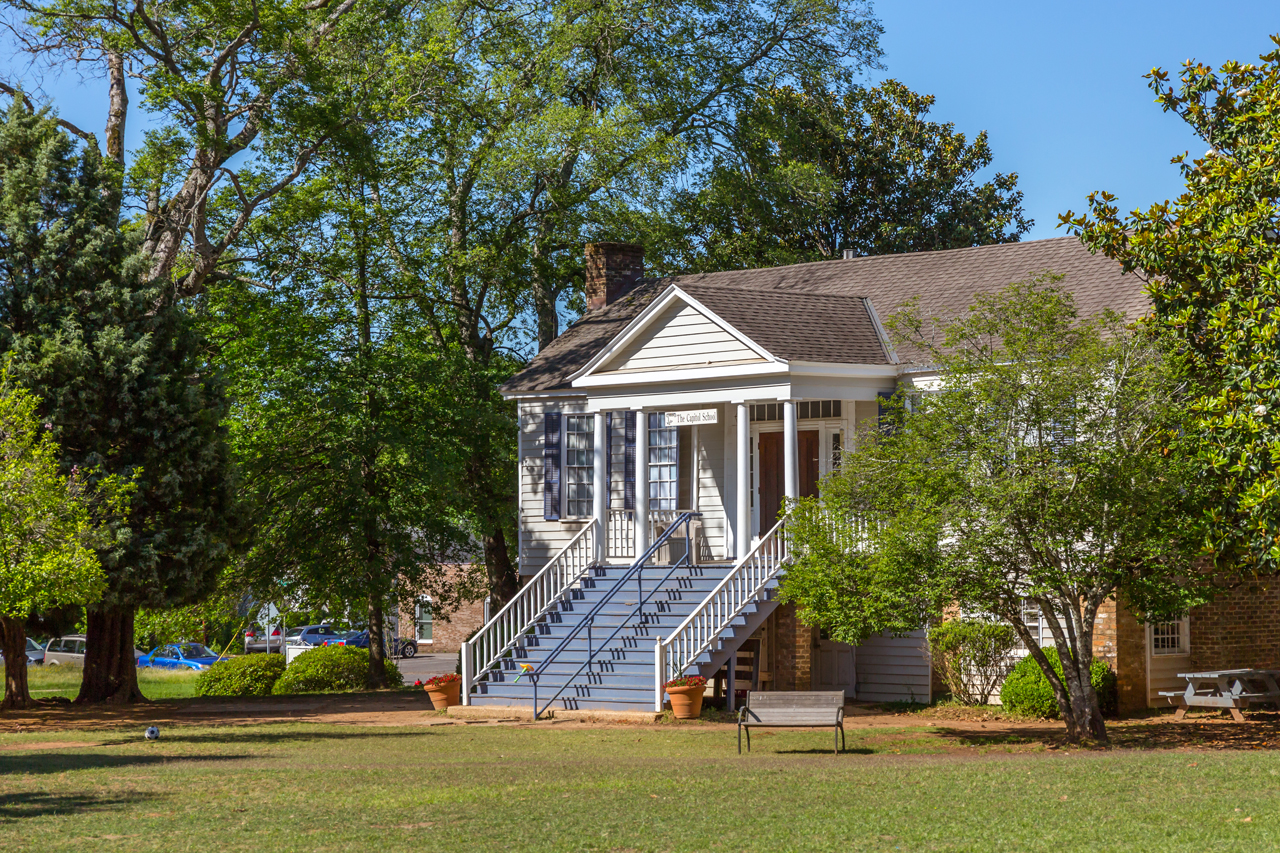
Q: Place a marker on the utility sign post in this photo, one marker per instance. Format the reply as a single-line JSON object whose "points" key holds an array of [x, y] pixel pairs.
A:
{"points": [[694, 418]]}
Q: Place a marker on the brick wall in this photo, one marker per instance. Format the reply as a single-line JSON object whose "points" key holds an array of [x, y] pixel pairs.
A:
{"points": [[1129, 637], [1239, 630], [793, 654], [445, 636]]}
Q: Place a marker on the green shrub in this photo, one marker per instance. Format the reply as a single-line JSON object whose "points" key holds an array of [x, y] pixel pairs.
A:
{"points": [[331, 668], [1027, 691], [972, 656], [249, 675]]}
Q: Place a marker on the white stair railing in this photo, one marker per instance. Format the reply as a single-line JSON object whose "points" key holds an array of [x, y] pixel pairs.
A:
{"points": [[621, 536], [486, 649], [742, 585]]}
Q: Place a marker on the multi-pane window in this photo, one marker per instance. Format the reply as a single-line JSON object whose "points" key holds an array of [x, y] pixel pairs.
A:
{"points": [[1169, 638], [579, 433], [664, 463], [422, 622]]}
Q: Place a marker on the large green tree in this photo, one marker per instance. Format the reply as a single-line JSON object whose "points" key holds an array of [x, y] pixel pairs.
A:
{"points": [[123, 382], [811, 170], [1041, 468], [510, 134], [349, 418], [49, 530], [1211, 259]]}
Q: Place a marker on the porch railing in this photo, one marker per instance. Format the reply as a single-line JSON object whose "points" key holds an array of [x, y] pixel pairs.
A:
{"points": [[621, 537], [486, 649], [742, 585]]}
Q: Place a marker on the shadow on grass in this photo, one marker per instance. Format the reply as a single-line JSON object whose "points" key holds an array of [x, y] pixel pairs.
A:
{"points": [[39, 803], [233, 734], [65, 762], [853, 750]]}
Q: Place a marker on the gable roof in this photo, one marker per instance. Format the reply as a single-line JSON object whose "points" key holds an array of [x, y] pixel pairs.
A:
{"points": [[814, 311]]}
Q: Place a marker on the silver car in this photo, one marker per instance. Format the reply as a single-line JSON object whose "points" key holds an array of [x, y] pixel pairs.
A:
{"points": [[70, 650], [65, 650]]}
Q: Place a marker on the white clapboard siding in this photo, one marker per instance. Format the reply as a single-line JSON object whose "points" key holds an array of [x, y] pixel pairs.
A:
{"points": [[894, 669], [680, 337], [540, 540], [711, 486]]}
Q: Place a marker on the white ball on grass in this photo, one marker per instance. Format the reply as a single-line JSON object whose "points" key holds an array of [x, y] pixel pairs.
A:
{"points": [[152, 733]]}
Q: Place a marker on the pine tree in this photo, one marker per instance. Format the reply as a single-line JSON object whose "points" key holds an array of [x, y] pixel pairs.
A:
{"points": [[123, 381]]}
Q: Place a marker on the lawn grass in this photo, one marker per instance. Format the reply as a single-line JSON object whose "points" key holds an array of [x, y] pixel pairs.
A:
{"points": [[660, 788], [48, 681]]}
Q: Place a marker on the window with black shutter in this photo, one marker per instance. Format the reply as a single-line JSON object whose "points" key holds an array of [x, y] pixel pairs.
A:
{"points": [[551, 466]]}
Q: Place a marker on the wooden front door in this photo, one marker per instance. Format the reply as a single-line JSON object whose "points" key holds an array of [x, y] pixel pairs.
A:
{"points": [[807, 444], [773, 483]]}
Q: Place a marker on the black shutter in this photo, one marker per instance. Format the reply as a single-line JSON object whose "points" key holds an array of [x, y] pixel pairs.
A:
{"points": [[608, 461], [629, 460], [884, 414], [551, 466]]}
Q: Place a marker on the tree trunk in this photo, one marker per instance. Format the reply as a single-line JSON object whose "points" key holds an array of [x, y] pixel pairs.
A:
{"points": [[14, 635], [377, 655], [500, 570], [110, 671]]}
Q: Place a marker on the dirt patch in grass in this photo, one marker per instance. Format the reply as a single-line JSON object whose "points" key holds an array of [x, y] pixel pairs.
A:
{"points": [[940, 729]]}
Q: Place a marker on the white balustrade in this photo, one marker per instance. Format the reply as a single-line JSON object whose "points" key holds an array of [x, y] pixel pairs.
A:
{"points": [[742, 585], [486, 649], [622, 534]]}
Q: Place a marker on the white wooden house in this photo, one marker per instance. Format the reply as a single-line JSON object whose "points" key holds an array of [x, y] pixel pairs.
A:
{"points": [[721, 394]]}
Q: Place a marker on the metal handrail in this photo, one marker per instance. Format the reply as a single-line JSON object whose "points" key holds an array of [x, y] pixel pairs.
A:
{"points": [[486, 649], [636, 570], [741, 586]]}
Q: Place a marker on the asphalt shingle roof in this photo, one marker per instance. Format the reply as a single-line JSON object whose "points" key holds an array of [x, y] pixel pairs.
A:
{"points": [[811, 312]]}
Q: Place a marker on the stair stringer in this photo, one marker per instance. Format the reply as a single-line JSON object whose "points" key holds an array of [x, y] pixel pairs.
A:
{"points": [[730, 641]]}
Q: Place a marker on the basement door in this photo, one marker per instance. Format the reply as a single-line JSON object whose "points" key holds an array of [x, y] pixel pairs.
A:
{"points": [[835, 666], [773, 484]]}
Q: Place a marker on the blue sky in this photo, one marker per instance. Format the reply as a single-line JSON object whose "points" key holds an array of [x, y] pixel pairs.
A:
{"points": [[1059, 88]]}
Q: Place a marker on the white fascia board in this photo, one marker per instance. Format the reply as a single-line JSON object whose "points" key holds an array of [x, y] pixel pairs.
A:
{"points": [[749, 370], [542, 395], [642, 321], [850, 371], [665, 399], [885, 340]]}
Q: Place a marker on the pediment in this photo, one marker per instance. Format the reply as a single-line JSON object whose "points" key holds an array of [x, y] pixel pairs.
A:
{"points": [[678, 334]]}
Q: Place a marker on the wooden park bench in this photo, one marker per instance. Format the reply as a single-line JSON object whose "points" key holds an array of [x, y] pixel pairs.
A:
{"points": [[793, 710]]}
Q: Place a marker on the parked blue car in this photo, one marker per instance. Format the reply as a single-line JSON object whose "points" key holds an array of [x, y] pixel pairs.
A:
{"points": [[180, 656]]}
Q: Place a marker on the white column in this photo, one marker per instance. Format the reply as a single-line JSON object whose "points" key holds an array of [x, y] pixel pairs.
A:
{"points": [[600, 486], [789, 451], [642, 483], [742, 536]]}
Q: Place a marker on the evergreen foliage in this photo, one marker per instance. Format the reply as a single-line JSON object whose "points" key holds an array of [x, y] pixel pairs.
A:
{"points": [[1027, 690], [247, 675], [123, 381], [1211, 259], [332, 669], [972, 656]]}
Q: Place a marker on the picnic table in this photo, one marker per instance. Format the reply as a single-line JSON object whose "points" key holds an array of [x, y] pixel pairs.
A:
{"points": [[1232, 689]]}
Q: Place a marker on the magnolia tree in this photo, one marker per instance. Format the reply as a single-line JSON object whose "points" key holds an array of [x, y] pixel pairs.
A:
{"points": [[48, 533], [1211, 258], [1040, 475]]}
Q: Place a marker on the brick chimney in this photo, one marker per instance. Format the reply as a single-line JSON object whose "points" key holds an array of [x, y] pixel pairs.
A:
{"points": [[612, 269]]}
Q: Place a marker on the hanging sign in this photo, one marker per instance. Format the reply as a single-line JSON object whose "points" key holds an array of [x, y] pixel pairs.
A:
{"points": [[698, 416]]}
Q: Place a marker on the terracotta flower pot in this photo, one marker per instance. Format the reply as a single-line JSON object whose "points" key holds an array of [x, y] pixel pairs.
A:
{"points": [[444, 695], [686, 702]]}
